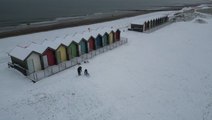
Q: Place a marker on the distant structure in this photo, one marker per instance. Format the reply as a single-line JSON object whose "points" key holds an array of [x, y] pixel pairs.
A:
{"points": [[186, 14], [148, 23], [54, 56]]}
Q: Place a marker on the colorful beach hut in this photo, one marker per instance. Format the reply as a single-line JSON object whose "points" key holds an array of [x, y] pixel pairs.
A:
{"points": [[48, 58], [72, 47], [91, 43], [105, 39], [83, 44], [98, 41], [47, 55], [111, 37], [105, 36], [61, 55], [73, 50], [26, 61], [59, 48], [117, 35]]}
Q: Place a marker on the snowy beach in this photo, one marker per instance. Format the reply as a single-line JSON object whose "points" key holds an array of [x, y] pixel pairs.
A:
{"points": [[160, 75]]}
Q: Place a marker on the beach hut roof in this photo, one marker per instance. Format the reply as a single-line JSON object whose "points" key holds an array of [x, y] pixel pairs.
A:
{"points": [[20, 53], [52, 44], [37, 48], [141, 21], [103, 31], [86, 35], [95, 33], [67, 40], [78, 37]]}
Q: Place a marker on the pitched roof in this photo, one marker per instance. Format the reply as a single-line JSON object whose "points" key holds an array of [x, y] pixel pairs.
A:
{"points": [[86, 35], [148, 18], [37, 48], [20, 53], [53, 44], [67, 40]]}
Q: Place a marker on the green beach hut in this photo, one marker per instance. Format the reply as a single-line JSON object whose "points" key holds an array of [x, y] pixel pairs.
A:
{"points": [[73, 50]]}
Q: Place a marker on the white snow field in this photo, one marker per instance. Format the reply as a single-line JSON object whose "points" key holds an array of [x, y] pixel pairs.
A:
{"points": [[163, 75]]}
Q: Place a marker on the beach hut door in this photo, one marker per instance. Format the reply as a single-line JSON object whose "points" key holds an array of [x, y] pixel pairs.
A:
{"points": [[45, 61], [69, 53], [59, 57], [30, 65]]}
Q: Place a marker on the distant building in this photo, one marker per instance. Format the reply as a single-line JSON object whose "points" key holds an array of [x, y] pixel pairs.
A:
{"points": [[146, 24]]}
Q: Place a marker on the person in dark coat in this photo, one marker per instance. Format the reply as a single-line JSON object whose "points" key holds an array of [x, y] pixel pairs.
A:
{"points": [[79, 70], [86, 72]]}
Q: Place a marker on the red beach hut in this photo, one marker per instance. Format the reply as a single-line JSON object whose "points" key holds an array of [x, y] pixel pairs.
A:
{"points": [[91, 42]]}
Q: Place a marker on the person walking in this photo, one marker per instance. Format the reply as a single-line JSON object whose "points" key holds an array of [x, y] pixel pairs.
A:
{"points": [[79, 70]]}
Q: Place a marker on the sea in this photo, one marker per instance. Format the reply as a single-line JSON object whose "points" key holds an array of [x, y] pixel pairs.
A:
{"points": [[18, 12]]}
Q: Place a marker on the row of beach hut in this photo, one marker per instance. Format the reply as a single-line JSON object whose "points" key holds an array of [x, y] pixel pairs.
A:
{"points": [[155, 22], [36, 57], [147, 24]]}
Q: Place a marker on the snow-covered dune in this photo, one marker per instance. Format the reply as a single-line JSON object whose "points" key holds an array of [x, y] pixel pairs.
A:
{"points": [[163, 75]]}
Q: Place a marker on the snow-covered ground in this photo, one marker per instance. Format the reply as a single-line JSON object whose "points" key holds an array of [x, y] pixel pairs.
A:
{"points": [[163, 75]]}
